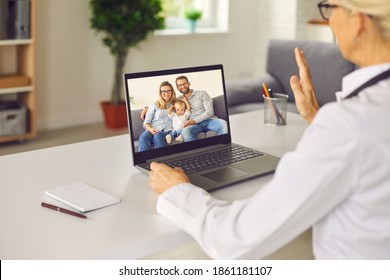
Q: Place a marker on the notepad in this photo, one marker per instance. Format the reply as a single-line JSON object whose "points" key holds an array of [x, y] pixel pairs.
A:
{"points": [[82, 197]]}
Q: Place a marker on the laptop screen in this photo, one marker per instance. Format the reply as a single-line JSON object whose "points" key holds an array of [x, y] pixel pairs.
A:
{"points": [[164, 131]]}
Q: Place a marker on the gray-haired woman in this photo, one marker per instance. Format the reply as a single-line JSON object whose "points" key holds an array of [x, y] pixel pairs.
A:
{"points": [[336, 180]]}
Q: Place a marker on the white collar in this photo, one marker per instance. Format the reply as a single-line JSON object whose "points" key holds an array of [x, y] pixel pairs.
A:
{"points": [[358, 77]]}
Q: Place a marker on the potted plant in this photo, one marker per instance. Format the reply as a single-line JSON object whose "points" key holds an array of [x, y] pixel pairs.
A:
{"points": [[193, 15], [124, 24]]}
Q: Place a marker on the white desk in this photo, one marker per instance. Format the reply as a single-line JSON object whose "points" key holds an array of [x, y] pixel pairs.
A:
{"points": [[129, 230]]}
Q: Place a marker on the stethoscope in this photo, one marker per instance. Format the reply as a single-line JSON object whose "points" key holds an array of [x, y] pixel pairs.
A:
{"points": [[383, 76]]}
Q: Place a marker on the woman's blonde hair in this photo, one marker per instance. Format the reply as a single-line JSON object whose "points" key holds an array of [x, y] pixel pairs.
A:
{"points": [[161, 103], [379, 10]]}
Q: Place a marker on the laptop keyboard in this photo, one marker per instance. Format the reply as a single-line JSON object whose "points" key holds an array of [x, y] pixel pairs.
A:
{"points": [[220, 157]]}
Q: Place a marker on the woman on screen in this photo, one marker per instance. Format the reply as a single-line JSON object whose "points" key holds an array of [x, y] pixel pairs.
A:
{"points": [[157, 124]]}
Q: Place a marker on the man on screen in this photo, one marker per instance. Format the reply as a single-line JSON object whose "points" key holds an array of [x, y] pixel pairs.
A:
{"points": [[202, 117]]}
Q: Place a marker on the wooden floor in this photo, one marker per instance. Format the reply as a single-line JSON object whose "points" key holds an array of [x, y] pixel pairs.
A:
{"points": [[59, 137]]}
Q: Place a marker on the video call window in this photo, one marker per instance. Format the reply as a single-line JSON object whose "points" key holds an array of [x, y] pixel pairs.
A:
{"points": [[145, 91]]}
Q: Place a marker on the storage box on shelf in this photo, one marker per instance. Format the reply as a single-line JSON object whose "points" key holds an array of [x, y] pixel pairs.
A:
{"points": [[13, 118]]}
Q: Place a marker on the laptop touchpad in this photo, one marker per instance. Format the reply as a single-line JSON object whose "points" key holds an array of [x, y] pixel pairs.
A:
{"points": [[224, 174]]}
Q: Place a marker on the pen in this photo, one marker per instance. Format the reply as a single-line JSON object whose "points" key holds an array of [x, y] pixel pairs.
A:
{"points": [[265, 90], [66, 211], [274, 109], [268, 93]]}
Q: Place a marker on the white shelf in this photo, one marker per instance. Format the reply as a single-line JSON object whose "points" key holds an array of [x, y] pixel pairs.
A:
{"points": [[15, 42], [15, 89]]}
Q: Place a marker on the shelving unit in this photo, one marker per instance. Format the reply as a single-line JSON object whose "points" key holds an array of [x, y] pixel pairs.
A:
{"points": [[17, 57]]}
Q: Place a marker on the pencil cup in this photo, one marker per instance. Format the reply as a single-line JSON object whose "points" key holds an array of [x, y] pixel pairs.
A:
{"points": [[275, 109]]}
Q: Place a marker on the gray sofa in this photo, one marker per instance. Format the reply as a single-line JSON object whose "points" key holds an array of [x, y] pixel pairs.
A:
{"points": [[327, 66]]}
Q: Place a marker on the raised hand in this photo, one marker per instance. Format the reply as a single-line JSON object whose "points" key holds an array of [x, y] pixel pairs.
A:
{"points": [[303, 89]]}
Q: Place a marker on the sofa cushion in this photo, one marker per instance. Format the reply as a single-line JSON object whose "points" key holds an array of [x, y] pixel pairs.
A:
{"points": [[137, 123], [250, 90], [219, 107]]}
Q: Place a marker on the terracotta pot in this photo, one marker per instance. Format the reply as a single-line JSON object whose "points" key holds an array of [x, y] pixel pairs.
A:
{"points": [[115, 116]]}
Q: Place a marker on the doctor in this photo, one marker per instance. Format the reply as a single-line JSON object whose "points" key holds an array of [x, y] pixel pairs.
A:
{"points": [[337, 179]]}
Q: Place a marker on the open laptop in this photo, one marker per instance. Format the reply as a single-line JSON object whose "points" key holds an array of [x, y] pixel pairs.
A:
{"points": [[142, 89]]}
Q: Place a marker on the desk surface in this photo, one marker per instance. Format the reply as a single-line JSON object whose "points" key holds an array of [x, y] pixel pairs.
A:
{"points": [[129, 230]]}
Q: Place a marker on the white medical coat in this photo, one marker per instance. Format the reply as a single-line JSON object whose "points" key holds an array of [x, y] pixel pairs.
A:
{"points": [[337, 180]]}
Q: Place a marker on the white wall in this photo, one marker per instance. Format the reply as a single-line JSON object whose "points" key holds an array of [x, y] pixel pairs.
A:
{"points": [[75, 71], [287, 19]]}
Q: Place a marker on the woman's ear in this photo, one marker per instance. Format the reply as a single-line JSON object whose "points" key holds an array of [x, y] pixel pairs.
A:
{"points": [[358, 25]]}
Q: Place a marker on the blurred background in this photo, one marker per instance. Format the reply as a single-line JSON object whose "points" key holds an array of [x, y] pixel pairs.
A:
{"points": [[75, 71]]}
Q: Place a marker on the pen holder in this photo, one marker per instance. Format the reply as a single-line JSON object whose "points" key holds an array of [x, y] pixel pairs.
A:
{"points": [[275, 109]]}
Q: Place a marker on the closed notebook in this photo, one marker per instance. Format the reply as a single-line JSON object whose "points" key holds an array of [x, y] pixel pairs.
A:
{"points": [[82, 197]]}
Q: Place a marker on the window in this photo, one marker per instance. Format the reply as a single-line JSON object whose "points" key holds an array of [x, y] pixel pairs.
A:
{"points": [[214, 14]]}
